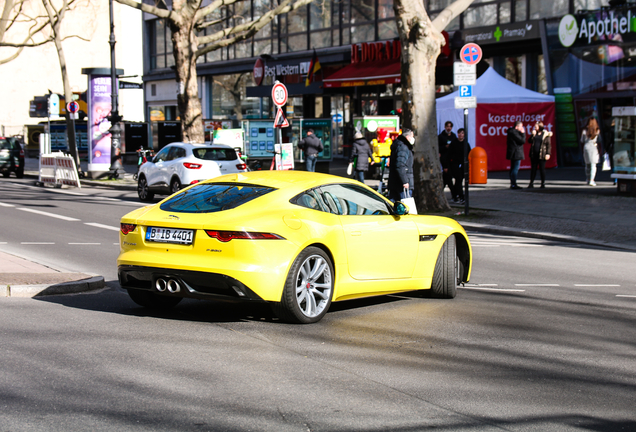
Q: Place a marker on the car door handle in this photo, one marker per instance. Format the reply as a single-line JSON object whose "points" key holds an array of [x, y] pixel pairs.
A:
{"points": [[356, 233]]}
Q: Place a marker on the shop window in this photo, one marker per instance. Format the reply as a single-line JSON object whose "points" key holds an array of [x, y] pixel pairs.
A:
{"points": [[548, 8], [319, 15], [294, 43], [320, 39], [362, 11], [262, 47], [504, 13], [515, 70], [589, 4], [521, 10], [297, 21], [385, 9]]}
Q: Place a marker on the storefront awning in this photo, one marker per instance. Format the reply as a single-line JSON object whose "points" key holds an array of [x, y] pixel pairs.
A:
{"points": [[363, 74]]}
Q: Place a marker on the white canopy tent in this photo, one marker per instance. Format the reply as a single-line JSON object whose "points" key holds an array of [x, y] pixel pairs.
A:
{"points": [[490, 88]]}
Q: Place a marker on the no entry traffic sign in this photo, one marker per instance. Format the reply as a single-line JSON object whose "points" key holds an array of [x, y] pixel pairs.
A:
{"points": [[279, 94], [470, 53]]}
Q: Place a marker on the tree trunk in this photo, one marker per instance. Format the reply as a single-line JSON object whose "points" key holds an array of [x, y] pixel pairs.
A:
{"points": [[421, 45], [184, 45]]}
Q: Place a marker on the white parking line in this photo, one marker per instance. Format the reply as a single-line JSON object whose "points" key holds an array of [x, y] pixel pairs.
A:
{"points": [[595, 285], [6, 205], [478, 288], [98, 225], [537, 285], [624, 295], [37, 243], [97, 244], [66, 218]]}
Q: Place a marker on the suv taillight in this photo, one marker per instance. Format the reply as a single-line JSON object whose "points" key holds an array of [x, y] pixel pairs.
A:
{"points": [[190, 165]]}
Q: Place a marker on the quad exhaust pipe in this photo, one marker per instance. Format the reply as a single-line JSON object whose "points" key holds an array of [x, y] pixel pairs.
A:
{"points": [[172, 285]]}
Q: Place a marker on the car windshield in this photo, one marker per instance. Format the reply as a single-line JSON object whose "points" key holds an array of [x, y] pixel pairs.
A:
{"points": [[215, 154], [4, 144], [215, 197]]}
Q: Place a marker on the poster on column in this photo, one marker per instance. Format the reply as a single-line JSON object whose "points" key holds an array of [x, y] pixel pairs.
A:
{"points": [[493, 121], [99, 106]]}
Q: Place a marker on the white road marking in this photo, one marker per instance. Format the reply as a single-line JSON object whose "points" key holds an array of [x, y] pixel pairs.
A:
{"points": [[476, 288], [537, 285], [481, 284], [624, 295], [3, 243], [6, 205], [98, 225], [85, 243], [593, 285], [37, 243], [66, 218]]}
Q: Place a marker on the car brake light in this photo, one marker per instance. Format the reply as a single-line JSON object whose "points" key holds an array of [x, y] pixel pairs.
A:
{"points": [[226, 236], [21, 153], [241, 166], [195, 181], [126, 228], [190, 165]]}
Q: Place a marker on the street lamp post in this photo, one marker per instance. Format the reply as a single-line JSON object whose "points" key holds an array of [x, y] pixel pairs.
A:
{"points": [[115, 118]]}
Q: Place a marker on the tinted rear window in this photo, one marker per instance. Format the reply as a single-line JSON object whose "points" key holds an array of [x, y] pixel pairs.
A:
{"points": [[210, 198], [215, 154]]}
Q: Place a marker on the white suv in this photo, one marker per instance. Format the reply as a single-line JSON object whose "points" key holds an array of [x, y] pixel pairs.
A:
{"points": [[180, 164]]}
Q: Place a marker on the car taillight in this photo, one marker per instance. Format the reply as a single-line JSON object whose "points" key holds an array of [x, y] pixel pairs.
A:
{"points": [[241, 166], [21, 153], [126, 228], [226, 236], [189, 165], [195, 181]]}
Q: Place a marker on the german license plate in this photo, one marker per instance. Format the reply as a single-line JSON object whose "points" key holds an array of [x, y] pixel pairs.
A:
{"points": [[169, 235]]}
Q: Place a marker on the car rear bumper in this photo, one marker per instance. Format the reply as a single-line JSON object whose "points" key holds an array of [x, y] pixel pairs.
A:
{"points": [[184, 283]]}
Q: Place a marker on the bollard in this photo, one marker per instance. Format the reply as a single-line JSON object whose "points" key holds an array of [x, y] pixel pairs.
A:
{"points": [[478, 166]]}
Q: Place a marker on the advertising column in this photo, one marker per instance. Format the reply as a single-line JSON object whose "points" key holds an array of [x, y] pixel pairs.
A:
{"points": [[98, 127]]}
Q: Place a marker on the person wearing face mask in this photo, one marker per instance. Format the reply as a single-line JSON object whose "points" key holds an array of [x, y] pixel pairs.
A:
{"points": [[401, 166], [540, 149]]}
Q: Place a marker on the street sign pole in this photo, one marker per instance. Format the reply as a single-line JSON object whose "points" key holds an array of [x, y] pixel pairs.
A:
{"points": [[466, 150]]}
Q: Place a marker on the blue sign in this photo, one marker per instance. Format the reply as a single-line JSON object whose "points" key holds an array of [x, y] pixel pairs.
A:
{"points": [[465, 91], [470, 53], [337, 118]]}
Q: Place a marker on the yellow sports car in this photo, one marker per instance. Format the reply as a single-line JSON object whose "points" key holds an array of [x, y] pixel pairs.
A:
{"points": [[297, 240]]}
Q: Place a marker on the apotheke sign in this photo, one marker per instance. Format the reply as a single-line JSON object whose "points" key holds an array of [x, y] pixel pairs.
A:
{"points": [[585, 29]]}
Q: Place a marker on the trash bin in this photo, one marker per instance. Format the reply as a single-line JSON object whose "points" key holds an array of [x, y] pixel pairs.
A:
{"points": [[478, 166]]}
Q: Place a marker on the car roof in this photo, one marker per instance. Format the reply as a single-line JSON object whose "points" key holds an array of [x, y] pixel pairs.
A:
{"points": [[289, 179], [199, 145]]}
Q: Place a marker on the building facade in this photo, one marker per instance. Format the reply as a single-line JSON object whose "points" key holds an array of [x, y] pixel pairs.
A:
{"points": [[355, 41]]}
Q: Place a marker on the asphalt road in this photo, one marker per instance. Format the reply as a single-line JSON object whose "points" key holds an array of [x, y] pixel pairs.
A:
{"points": [[541, 339]]}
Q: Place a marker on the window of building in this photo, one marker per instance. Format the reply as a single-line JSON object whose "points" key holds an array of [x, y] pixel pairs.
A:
{"points": [[548, 8]]}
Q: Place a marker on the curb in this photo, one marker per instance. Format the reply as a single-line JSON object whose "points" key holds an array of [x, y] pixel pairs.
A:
{"points": [[74, 287], [494, 229]]}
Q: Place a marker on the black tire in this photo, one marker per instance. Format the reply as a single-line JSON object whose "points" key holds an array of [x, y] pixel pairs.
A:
{"points": [[175, 186], [143, 191], [19, 173], [308, 289], [6, 174], [446, 271], [153, 301]]}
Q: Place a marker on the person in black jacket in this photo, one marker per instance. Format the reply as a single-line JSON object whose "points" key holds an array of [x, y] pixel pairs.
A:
{"points": [[444, 141], [456, 165], [311, 145], [514, 151], [363, 152], [401, 166]]}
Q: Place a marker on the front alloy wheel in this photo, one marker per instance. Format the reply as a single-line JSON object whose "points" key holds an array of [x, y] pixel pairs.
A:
{"points": [[143, 191], [308, 289]]}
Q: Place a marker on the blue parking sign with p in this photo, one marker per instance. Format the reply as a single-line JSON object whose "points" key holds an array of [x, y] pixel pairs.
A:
{"points": [[465, 91]]}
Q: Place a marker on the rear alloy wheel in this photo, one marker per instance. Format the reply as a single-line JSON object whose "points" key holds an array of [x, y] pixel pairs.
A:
{"points": [[175, 186], [143, 191], [153, 301], [446, 271], [308, 290]]}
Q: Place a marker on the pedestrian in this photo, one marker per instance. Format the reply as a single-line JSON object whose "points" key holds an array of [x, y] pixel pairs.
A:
{"points": [[401, 166], [311, 145], [456, 154], [540, 149], [516, 138], [591, 149], [363, 152], [444, 140]]}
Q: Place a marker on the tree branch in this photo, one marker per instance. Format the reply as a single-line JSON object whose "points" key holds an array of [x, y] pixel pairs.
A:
{"points": [[153, 10], [453, 10], [203, 12]]}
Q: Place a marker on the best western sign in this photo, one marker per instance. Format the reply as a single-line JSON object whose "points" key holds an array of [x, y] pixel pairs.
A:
{"points": [[602, 26]]}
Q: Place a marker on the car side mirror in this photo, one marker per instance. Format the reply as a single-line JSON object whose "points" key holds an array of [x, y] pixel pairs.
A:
{"points": [[400, 208]]}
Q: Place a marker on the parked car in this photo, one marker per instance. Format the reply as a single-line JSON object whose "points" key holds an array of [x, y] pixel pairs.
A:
{"points": [[11, 157], [294, 239], [181, 164]]}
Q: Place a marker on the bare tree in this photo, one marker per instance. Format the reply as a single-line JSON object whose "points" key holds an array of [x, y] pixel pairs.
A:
{"points": [[186, 19], [20, 29], [421, 45]]}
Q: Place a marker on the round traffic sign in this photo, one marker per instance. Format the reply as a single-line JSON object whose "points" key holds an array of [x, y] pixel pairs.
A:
{"points": [[470, 53], [279, 94], [72, 107]]}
